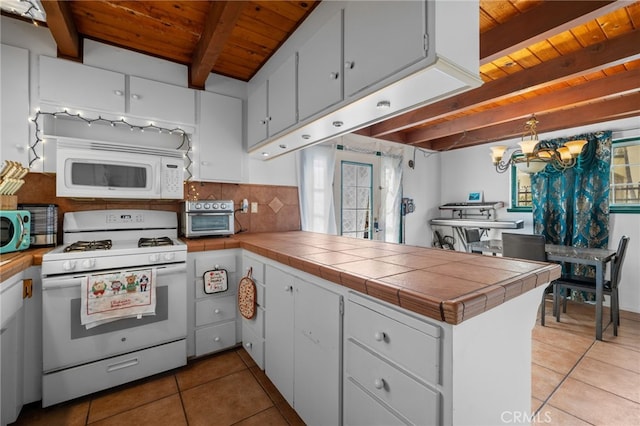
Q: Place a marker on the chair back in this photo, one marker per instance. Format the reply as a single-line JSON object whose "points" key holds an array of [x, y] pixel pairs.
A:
{"points": [[524, 246], [616, 268], [472, 235]]}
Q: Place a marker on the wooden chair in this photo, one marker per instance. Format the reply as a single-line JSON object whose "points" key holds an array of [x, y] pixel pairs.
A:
{"points": [[610, 287], [530, 247]]}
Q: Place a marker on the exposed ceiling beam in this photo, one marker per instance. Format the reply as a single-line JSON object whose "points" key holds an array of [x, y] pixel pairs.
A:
{"points": [[619, 83], [63, 29], [221, 19], [592, 113], [592, 58], [540, 23]]}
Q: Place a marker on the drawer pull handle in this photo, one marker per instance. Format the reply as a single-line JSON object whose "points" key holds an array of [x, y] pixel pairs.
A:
{"points": [[248, 345], [380, 336], [378, 383], [123, 364], [216, 339], [216, 311], [288, 288]]}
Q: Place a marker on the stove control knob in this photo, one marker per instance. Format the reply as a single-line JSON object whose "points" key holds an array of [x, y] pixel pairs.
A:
{"points": [[207, 205], [215, 206], [88, 263], [154, 257], [169, 256], [69, 265]]}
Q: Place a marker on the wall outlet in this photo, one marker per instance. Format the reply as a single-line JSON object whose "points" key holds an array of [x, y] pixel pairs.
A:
{"points": [[254, 207], [245, 206]]}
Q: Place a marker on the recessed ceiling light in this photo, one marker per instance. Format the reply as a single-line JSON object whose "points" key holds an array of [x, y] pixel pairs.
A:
{"points": [[337, 123], [265, 154], [383, 105], [305, 136]]}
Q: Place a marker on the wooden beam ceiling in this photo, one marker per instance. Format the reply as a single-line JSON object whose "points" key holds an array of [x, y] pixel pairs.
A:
{"points": [[63, 29], [221, 20], [537, 24]]}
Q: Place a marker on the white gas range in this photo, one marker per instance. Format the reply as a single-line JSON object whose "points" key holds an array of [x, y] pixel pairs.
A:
{"points": [[111, 263]]}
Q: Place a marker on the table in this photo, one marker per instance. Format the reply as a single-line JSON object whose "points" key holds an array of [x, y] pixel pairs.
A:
{"points": [[558, 253]]}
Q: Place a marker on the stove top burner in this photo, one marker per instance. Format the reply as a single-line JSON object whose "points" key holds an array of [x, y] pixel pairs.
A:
{"points": [[153, 242], [88, 246]]}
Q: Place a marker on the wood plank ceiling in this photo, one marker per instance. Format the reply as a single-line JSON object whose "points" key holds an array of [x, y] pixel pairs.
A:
{"points": [[572, 63]]}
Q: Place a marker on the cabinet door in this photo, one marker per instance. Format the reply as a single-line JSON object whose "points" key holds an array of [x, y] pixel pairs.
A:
{"points": [[70, 84], [220, 139], [11, 348], [317, 354], [320, 69], [161, 101], [281, 97], [257, 115], [279, 331], [15, 103], [380, 39], [33, 337]]}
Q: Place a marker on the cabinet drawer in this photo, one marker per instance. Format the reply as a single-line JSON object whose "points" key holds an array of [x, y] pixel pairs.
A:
{"points": [[257, 268], [215, 338], [360, 409], [222, 261], [256, 324], [411, 399], [253, 344], [232, 287], [409, 347], [215, 309]]}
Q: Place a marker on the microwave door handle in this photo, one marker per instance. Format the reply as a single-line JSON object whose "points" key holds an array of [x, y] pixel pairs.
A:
{"points": [[23, 231]]}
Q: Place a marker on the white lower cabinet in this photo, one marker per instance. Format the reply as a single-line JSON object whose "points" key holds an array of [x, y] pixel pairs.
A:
{"points": [[211, 318], [11, 348], [303, 343], [392, 366]]}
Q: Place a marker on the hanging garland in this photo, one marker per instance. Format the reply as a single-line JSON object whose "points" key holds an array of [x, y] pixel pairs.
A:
{"points": [[186, 140]]}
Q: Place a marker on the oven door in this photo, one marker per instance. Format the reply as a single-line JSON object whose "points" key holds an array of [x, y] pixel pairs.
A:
{"points": [[67, 343], [203, 224]]}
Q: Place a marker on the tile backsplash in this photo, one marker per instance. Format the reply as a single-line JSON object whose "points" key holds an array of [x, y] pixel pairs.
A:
{"points": [[278, 207]]}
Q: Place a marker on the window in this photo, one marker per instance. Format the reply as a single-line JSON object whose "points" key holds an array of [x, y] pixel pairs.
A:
{"points": [[625, 180], [357, 199], [625, 176]]}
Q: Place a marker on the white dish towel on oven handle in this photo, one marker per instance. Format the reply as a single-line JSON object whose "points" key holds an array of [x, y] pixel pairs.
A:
{"points": [[113, 296]]}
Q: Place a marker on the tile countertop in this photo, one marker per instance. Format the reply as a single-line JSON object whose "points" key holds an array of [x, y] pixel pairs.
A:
{"points": [[449, 286], [445, 285]]}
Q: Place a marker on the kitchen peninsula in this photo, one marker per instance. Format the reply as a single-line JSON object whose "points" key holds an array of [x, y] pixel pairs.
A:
{"points": [[457, 325]]}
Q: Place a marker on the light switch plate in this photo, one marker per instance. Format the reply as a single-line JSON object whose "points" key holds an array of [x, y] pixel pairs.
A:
{"points": [[254, 207]]}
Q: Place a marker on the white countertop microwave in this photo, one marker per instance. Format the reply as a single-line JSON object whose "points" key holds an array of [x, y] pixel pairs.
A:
{"points": [[97, 169]]}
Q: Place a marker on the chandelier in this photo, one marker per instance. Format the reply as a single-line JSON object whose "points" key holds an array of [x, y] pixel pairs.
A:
{"points": [[533, 156]]}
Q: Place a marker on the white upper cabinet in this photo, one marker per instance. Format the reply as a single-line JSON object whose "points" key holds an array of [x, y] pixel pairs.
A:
{"points": [[161, 101], [272, 104], [257, 115], [70, 84], [380, 39], [219, 143], [320, 69], [15, 104], [282, 97]]}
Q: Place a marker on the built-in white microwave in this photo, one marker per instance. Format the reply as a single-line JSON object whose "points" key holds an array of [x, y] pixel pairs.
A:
{"points": [[110, 170]]}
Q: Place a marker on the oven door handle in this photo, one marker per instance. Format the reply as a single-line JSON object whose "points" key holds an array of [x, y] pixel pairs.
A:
{"points": [[52, 283]]}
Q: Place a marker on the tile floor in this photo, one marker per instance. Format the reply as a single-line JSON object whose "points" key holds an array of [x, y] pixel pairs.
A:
{"points": [[575, 381]]}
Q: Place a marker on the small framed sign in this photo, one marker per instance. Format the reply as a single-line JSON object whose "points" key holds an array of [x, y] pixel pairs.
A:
{"points": [[215, 281], [475, 197]]}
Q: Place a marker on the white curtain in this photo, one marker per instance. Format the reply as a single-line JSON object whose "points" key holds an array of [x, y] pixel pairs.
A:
{"points": [[316, 166], [391, 196]]}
